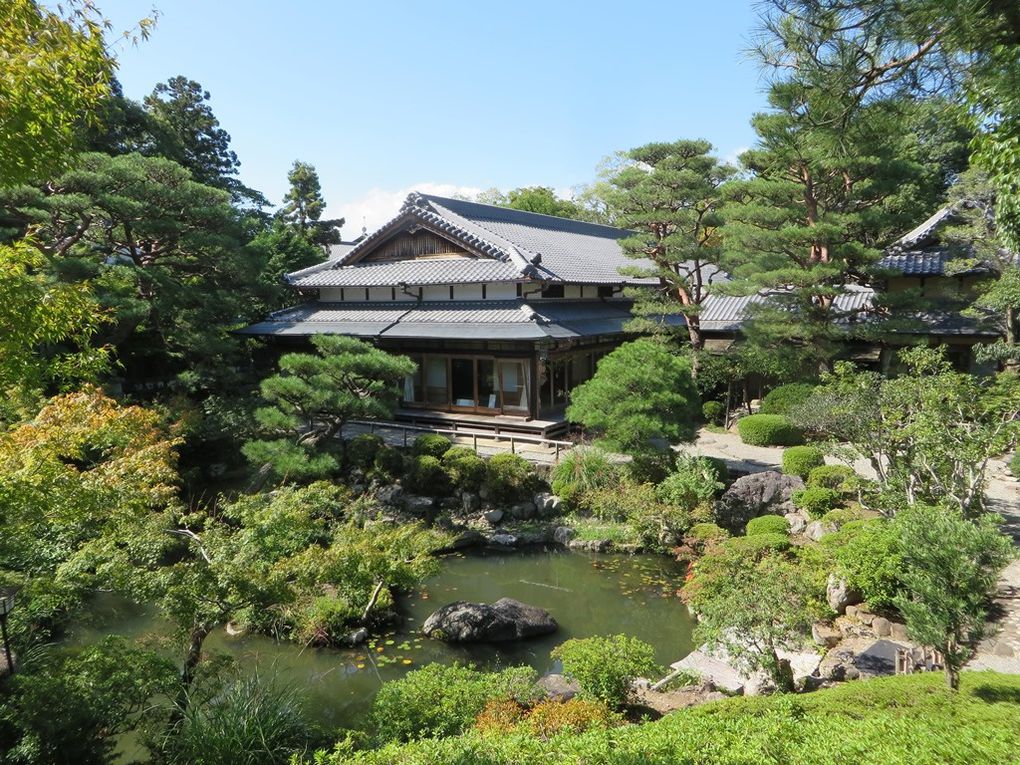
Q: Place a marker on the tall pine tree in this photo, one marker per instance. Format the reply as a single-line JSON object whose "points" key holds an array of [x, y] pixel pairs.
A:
{"points": [[304, 205], [668, 195]]}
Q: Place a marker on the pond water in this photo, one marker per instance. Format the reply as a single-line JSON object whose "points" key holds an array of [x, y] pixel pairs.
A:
{"points": [[588, 594]]}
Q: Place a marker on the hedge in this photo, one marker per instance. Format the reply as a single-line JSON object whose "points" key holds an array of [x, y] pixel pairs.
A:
{"points": [[768, 430], [432, 445], [816, 501], [785, 398], [838, 477], [801, 460], [768, 524]]}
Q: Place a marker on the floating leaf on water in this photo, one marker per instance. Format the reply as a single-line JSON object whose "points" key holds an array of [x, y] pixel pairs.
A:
{"points": [[361, 666], [407, 661], [390, 642]]}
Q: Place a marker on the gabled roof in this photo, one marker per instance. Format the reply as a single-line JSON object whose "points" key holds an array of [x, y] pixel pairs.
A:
{"points": [[530, 245], [454, 320]]}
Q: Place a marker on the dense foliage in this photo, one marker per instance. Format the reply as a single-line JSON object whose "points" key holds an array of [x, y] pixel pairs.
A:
{"points": [[768, 430]]}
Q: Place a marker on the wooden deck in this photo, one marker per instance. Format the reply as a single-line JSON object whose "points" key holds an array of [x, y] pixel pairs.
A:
{"points": [[500, 423]]}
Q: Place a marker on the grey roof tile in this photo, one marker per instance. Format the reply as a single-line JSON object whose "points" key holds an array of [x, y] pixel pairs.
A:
{"points": [[411, 272]]}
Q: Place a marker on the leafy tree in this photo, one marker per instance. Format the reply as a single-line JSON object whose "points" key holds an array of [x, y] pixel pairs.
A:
{"points": [[641, 399], [928, 434], [281, 249], [46, 327], [668, 194], [304, 205], [752, 607], [82, 480], [70, 706], [56, 70], [536, 199], [199, 143], [162, 251], [315, 395], [949, 569]]}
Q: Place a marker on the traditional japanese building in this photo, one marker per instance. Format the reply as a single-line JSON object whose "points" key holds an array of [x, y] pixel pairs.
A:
{"points": [[504, 311]]}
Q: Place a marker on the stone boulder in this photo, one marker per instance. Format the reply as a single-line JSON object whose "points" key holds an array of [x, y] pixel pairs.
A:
{"points": [[825, 635], [797, 522], [767, 493], [563, 535], [493, 516], [506, 619], [523, 511], [470, 502], [390, 495], [839, 594], [818, 529], [547, 504], [416, 505], [557, 687], [503, 540]]}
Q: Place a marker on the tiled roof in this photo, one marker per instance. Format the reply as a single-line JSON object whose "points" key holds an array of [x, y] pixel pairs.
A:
{"points": [[530, 245], [410, 272], [930, 262], [489, 319], [727, 313]]}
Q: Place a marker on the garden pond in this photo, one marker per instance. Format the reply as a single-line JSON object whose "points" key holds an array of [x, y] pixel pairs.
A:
{"points": [[587, 593]]}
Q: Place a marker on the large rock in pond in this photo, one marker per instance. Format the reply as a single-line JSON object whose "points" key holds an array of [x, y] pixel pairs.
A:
{"points": [[506, 619], [767, 493]]}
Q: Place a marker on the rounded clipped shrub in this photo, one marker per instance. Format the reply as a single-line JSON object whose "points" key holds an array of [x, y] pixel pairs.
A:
{"points": [[816, 501], [426, 475], [707, 532], [714, 412], [584, 470], [785, 398], [838, 477], [361, 450], [844, 515], [605, 667], [801, 460], [431, 444], [388, 464], [759, 545], [768, 524], [768, 430], [508, 478], [465, 468]]}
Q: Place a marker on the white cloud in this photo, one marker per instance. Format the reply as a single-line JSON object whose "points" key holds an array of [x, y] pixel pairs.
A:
{"points": [[733, 158], [377, 206]]}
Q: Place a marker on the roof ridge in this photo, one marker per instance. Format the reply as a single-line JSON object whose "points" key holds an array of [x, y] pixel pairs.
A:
{"points": [[512, 251], [549, 217]]}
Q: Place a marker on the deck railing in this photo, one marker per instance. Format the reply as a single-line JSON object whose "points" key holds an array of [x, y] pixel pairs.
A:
{"points": [[475, 435]]}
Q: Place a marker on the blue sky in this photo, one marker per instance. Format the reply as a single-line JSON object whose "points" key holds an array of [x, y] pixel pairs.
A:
{"points": [[391, 95]]}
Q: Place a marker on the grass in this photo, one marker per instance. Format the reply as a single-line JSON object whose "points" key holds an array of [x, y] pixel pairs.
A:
{"points": [[594, 530], [905, 720]]}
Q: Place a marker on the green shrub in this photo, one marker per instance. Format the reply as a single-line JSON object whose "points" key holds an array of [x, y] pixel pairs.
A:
{"points": [[466, 469], [440, 700], [324, 621], [785, 398], [844, 515], [508, 478], [694, 481], [426, 475], [718, 464], [707, 533], [432, 445], [868, 555], [388, 464], [801, 460], [361, 450], [650, 467], [768, 430], [768, 524], [714, 412], [620, 502], [583, 470], [758, 545], [838, 477], [605, 667], [1014, 465], [816, 501]]}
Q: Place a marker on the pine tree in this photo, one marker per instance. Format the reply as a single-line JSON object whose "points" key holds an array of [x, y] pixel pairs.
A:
{"points": [[669, 194], [197, 141], [304, 205]]}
